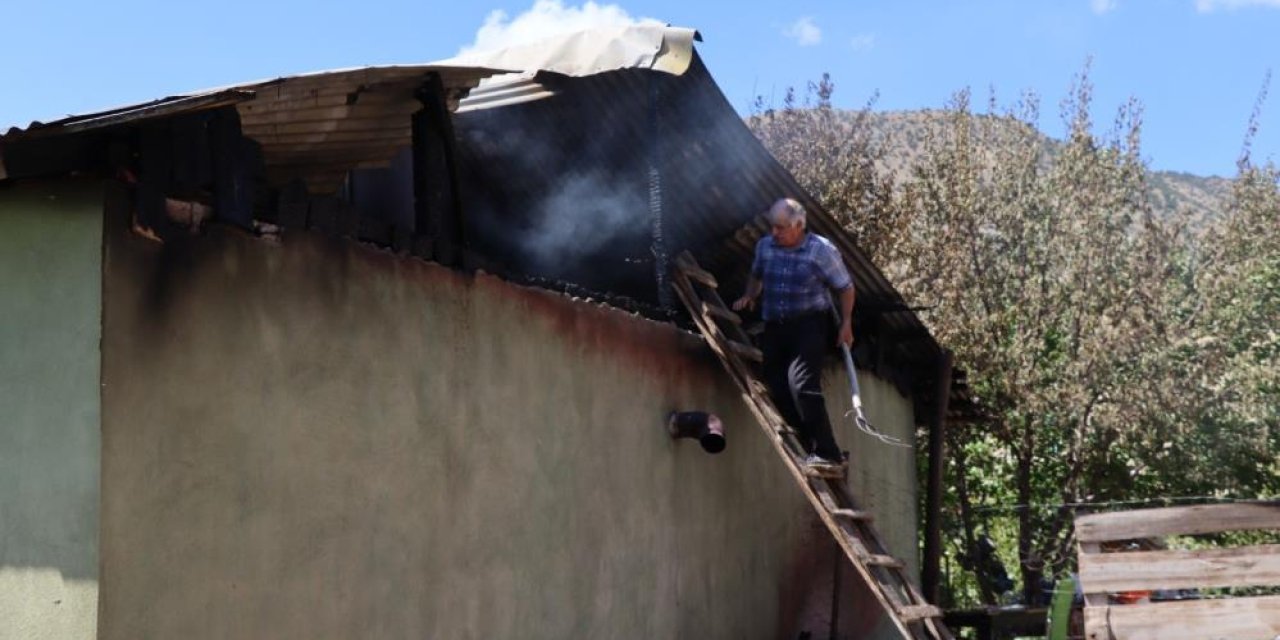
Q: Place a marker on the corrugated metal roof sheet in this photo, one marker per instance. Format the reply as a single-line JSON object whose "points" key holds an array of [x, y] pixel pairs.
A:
{"points": [[318, 126], [122, 115], [648, 45], [315, 126], [504, 91]]}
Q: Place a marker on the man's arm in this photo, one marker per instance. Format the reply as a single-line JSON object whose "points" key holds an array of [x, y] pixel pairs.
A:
{"points": [[846, 316], [748, 299], [835, 275]]}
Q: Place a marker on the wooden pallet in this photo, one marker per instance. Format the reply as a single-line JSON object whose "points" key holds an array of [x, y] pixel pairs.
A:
{"points": [[1110, 569], [825, 487]]}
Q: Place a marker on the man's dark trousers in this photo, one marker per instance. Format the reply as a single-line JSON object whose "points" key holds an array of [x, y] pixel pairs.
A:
{"points": [[805, 337]]}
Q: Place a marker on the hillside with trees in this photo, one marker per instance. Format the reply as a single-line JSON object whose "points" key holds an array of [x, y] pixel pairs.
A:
{"points": [[1119, 326]]}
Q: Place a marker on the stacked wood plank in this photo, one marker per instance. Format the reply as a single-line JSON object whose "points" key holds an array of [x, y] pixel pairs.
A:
{"points": [[825, 487], [1109, 578]]}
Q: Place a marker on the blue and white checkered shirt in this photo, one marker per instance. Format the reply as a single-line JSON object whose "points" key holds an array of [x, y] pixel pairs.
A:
{"points": [[796, 279]]}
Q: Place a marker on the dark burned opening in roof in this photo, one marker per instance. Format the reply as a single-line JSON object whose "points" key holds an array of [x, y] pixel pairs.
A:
{"points": [[561, 192], [577, 187]]}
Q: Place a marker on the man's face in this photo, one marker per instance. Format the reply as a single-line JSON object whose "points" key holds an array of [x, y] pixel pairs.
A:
{"points": [[785, 232]]}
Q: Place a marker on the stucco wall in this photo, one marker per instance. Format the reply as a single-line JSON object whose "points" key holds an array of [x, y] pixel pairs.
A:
{"points": [[881, 475], [316, 439], [50, 285]]}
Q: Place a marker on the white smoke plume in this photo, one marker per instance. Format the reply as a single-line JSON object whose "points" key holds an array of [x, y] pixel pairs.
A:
{"points": [[544, 19], [585, 213]]}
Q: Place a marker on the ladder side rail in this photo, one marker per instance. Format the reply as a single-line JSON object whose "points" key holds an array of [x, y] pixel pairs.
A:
{"points": [[860, 541], [845, 541]]}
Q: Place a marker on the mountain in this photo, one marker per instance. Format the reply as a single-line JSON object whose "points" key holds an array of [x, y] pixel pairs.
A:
{"points": [[904, 131]]}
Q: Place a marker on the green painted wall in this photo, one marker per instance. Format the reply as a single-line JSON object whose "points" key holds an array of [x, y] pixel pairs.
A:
{"points": [[316, 439], [50, 312]]}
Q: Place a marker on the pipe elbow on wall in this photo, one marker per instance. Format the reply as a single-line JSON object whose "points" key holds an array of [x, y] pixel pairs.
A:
{"points": [[705, 427]]}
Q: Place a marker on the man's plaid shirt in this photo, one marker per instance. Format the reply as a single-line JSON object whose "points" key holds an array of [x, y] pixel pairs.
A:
{"points": [[796, 279]]}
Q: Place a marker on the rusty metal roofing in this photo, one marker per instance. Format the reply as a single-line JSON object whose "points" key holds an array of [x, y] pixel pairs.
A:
{"points": [[315, 126]]}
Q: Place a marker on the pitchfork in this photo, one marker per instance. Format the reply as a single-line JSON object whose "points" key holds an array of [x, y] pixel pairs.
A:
{"points": [[859, 418]]}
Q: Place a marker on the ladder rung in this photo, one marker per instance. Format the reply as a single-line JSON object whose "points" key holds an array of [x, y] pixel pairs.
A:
{"points": [[918, 612], [770, 412], [852, 514], [697, 273], [745, 350], [721, 312], [828, 502], [822, 471], [888, 562]]}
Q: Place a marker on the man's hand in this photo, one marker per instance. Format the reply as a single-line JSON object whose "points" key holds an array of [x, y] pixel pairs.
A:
{"points": [[748, 300], [846, 334], [845, 337]]}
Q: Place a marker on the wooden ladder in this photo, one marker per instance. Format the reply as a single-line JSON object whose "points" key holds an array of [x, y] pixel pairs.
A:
{"points": [[912, 616]]}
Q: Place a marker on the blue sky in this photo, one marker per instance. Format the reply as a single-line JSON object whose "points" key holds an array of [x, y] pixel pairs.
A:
{"points": [[1197, 66]]}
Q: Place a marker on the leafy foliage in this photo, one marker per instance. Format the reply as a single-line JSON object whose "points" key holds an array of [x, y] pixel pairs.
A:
{"points": [[836, 160], [1120, 355]]}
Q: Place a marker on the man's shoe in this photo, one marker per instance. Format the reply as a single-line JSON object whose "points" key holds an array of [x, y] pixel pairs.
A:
{"points": [[814, 459], [816, 466]]}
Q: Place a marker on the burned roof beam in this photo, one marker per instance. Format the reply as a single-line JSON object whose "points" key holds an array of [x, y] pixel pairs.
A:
{"points": [[660, 247], [232, 157], [438, 227]]}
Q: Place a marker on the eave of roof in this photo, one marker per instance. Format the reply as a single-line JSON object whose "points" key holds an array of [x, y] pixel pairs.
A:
{"points": [[314, 126]]}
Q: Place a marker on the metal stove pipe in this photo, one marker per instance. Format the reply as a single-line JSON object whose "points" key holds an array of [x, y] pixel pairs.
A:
{"points": [[706, 427]]}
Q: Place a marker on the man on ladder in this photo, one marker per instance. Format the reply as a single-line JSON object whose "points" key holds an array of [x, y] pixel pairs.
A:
{"points": [[793, 270]]}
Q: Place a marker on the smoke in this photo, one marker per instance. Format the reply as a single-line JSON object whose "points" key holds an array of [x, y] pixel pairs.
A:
{"points": [[592, 215], [585, 214], [574, 194], [550, 206], [561, 188], [547, 18]]}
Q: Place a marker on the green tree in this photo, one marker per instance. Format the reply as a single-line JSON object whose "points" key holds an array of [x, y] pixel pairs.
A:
{"points": [[1118, 354], [836, 156], [1038, 262]]}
